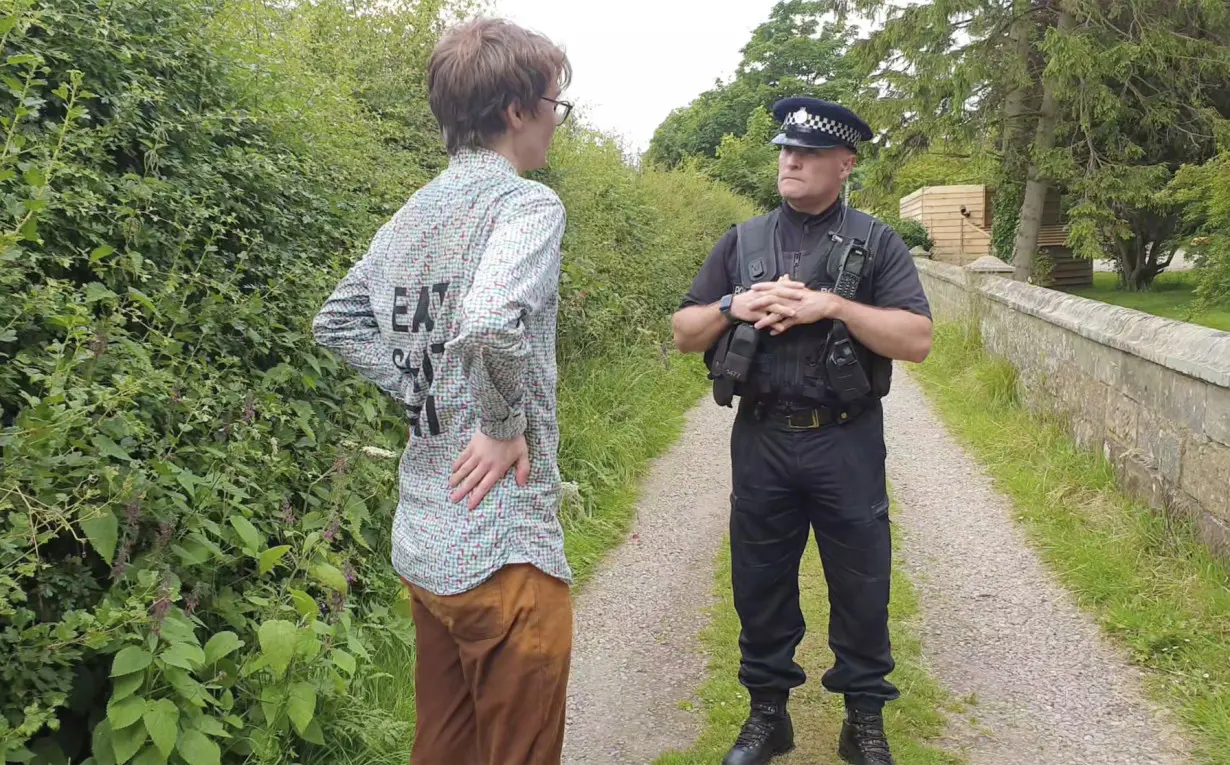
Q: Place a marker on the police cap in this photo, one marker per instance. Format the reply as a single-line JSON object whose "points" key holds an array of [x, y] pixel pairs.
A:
{"points": [[815, 124]]}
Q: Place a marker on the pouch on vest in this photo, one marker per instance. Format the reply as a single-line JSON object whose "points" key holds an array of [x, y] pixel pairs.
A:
{"points": [[847, 376], [879, 369], [731, 361]]}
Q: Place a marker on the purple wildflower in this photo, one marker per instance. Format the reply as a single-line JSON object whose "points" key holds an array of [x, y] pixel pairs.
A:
{"points": [[162, 605], [160, 608], [165, 530], [132, 517], [331, 533], [121, 564], [99, 344], [341, 464], [337, 604]]}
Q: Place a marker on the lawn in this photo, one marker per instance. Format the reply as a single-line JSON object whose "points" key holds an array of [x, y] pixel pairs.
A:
{"points": [[1150, 583], [1171, 296]]}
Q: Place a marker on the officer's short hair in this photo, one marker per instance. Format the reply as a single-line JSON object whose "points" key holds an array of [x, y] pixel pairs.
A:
{"points": [[479, 68]]}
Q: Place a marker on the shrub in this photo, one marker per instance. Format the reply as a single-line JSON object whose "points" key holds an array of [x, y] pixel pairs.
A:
{"points": [[194, 500], [913, 233], [634, 243], [190, 518], [1204, 190]]}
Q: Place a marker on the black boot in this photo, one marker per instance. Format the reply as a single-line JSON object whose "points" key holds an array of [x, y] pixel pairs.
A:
{"points": [[862, 739], [767, 733]]}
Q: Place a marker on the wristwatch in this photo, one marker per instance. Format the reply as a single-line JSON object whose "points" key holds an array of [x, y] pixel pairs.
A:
{"points": [[724, 306]]}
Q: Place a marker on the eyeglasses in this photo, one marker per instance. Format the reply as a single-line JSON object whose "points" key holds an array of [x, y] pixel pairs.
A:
{"points": [[562, 109]]}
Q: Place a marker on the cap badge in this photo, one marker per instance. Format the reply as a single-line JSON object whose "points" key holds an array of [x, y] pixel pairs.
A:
{"points": [[800, 116]]}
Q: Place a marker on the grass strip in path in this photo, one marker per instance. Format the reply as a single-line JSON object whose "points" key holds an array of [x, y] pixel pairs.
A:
{"points": [[616, 414], [1146, 578], [915, 723]]}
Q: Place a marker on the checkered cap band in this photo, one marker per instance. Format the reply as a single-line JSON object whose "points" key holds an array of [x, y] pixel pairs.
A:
{"points": [[804, 119]]}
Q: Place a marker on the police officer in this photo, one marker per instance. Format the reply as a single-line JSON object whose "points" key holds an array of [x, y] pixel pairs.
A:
{"points": [[800, 313]]}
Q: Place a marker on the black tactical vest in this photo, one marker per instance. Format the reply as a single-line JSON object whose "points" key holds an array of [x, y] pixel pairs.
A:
{"points": [[790, 366]]}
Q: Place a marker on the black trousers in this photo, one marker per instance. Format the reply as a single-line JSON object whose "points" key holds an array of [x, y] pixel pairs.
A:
{"points": [[787, 482]]}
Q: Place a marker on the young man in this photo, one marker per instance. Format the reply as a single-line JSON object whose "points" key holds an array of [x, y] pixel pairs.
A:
{"points": [[452, 311], [807, 449]]}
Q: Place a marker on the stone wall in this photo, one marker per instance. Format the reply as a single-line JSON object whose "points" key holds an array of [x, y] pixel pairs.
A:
{"points": [[1152, 394]]}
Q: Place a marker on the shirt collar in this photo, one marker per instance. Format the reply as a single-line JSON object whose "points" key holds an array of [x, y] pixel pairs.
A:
{"points": [[478, 158], [801, 218]]}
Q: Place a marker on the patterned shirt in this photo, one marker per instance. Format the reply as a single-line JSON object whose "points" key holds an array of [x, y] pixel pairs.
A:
{"points": [[452, 312]]}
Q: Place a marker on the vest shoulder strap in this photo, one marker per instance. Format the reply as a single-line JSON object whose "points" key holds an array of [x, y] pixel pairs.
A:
{"points": [[861, 227], [757, 261], [873, 246], [877, 233]]}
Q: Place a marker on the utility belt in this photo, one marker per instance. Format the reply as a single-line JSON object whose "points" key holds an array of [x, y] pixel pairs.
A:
{"points": [[798, 416]]}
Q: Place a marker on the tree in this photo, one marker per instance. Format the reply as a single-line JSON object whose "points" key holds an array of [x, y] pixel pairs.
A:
{"points": [[748, 163], [1117, 96], [1204, 193], [1142, 85], [792, 53], [1037, 183], [952, 87]]}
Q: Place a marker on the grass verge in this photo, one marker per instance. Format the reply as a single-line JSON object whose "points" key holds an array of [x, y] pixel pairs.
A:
{"points": [[616, 414], [1172, 296], [914, 723], [1146, 578]]}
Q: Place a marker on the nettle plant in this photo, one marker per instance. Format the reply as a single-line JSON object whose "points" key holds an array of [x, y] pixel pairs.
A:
{"points": [[194, 500]]}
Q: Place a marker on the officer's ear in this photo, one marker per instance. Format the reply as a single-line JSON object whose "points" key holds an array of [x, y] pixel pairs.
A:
{"points": [[846, 162]]}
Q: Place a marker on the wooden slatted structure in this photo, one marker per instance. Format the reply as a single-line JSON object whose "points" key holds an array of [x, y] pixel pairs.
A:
{"points": [[959, 220], [1054, 235], [1067, 270], [959, 237]]}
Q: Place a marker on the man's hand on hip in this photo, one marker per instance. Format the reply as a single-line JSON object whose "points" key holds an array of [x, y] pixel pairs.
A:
{"points": [[484, 462], [793, 303]]}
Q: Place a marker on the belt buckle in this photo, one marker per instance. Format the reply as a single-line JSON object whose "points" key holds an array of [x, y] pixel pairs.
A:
{"points": [[812, 421]]}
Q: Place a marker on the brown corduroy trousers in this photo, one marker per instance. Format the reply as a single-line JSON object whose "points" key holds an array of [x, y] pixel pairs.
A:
{"points": [[491, 671]]}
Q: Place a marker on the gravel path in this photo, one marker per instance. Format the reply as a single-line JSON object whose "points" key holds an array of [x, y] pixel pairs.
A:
{"points": [[1048, 687], [637, 653]]}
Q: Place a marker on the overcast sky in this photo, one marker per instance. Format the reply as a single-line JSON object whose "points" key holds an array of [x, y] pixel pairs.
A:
{"points": [[635, 60]]}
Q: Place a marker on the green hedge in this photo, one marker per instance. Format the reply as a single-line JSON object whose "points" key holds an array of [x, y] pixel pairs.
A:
{"points": [[913, 233], [194, 499]]}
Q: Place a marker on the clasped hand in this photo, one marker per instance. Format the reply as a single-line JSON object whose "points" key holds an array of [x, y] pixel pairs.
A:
{"points": [[784, 303]]}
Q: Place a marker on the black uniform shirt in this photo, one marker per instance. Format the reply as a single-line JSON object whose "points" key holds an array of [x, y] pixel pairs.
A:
{"points": [[894, 278]]}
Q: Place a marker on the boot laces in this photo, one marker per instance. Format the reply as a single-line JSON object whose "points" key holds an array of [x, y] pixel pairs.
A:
{"points": [[758, 727], [869, 732]]}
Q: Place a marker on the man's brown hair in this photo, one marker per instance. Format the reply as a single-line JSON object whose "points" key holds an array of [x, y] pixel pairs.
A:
{"points": [[479, 68]]}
